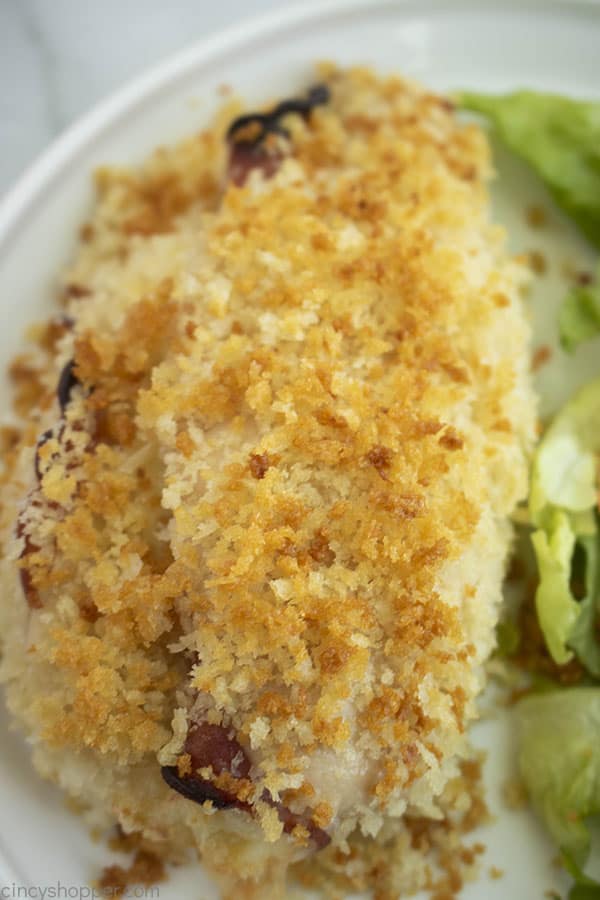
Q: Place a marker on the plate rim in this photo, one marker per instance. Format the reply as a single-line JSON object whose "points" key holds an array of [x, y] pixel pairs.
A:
{"points": [[64, 149]]}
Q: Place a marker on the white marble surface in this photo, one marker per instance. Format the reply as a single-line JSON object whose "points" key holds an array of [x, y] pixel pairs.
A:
{"points": [[59, 57]]}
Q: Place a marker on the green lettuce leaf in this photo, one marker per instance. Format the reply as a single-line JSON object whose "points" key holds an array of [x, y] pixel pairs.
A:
{"points": [[564, 466], [585, 888], [582, 636], [562, 504], [559, 761], [560, 138], [557, 610], [579, 316], [508, 637], [585, 892]]}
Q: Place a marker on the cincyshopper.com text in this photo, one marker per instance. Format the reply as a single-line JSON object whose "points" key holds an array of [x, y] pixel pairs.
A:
{"points": [[59, 891]]}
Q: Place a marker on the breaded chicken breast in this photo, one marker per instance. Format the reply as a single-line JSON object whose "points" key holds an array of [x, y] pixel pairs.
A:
{"points": [[254, 541]]}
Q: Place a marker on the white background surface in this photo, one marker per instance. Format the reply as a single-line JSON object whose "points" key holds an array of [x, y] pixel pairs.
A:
{"points": [[59, 57]]}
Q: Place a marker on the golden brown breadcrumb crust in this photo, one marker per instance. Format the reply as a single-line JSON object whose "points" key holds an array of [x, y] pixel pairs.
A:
{"points": [[284, 435]]}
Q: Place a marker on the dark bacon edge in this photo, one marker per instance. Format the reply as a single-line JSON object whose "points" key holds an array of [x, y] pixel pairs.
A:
{"points": [[212, 746], [246, 134]]}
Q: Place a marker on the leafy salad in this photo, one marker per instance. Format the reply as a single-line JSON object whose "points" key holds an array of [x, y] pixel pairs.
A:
{"points": [[559, 717]]}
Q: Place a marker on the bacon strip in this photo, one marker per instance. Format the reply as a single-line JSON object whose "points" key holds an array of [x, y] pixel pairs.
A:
{"points": [[248, 149], [212, 745], [29, 590], [67, 381]]}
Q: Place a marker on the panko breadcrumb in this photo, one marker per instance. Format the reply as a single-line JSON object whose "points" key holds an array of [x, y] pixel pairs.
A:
{"points": [[253, 551]]}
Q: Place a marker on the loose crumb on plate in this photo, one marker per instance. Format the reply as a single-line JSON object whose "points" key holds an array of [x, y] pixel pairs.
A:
{"points": [[146, 868], [536, 216], [541, 355], [514, 794], [538, 262]]}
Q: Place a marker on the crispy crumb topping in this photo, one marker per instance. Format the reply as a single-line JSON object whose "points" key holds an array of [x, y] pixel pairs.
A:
{"points": [[294, 417]]}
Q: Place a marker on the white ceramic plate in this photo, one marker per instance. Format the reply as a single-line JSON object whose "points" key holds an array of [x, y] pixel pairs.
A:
{"points": [[486, 46]]}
